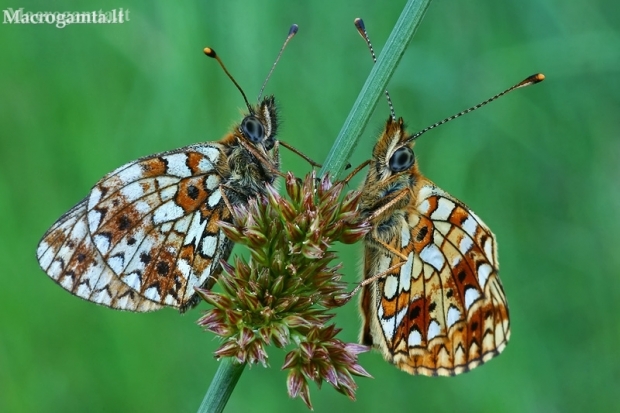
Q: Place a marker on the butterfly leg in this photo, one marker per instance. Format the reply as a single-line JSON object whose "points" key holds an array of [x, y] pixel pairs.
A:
{"points": [[261, 158], [224, 197], [390, 249], [343, 300], [400, 195]]}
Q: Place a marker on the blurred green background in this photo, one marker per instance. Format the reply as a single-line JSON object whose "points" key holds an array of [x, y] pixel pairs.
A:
{"points": [[540, 166]]}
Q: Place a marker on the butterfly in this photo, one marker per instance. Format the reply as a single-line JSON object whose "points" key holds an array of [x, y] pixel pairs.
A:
{"points": [[147, 234], [433, 303]]}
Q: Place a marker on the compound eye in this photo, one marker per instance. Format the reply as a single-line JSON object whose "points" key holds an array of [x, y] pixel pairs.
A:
{"points": [[253, 129], [402, 159]]}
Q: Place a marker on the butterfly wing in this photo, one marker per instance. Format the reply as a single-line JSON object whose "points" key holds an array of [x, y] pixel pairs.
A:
{"points": [[154, 222], [443, 311], [146, 235], [66, 253]]}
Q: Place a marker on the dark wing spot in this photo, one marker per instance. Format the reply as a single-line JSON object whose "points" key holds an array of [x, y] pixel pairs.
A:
{"points": [[172, 292], [431, 307], [415, 312], [102, 212], [145, 257], [123, 223], [131, 241], [162, 268], [120, 255], [131, 293], [155, 285], [177, 282], [137, 273], [193, 192], [483, 239], [449, 293], [422, 234], [474, 325], [461, 276], [61, 262], [107, 235], [80, 257]]}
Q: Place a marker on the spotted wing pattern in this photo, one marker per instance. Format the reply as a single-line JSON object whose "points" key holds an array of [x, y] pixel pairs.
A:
{"points": [[67, 254], [149, 229], [442, 312]]}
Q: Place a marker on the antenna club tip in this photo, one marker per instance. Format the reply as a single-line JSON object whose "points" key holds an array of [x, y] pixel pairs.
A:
{"points": [[293, 30], [210, 52], [531, 80], [359, 23]]}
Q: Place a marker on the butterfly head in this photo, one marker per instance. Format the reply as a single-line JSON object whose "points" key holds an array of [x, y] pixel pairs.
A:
{"points": [[259, 127], [253, 150], [391, 171], [393, 155]]}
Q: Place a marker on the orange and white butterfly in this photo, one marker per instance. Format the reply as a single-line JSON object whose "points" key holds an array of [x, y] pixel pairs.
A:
{"points": [[433, 303], [431, 299], [148, 233]]}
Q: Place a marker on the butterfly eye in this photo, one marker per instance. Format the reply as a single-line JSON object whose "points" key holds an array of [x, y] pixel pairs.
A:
{"points": [[402, 159], [253, 129]]}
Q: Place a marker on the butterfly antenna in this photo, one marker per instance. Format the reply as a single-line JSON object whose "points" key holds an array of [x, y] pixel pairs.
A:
{"points": [[538, 77], [292, 31], [361, 29], [211, 53]]}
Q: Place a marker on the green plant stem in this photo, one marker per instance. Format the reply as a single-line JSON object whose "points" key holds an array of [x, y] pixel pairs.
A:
{"points": [[222, 385], [374, 87]]}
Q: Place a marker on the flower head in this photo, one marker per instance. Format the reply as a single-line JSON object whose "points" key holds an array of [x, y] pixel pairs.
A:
{"points": [[284, 293]]}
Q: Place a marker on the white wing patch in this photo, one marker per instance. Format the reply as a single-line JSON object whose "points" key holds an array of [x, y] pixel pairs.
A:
{"points": [[215, 198], [131, 173], [390, 287], [443, 211], [405, 273], [177, 166], [483, 274], [433, 330], [471, 295], [210, 152], [453, 316], [414, 339], [470, 226], [433, 256], [208, 245], [169, 211]]}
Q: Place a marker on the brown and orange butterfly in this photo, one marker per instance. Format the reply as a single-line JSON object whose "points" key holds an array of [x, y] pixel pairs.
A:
{"points": [[432, 301], [148, 232]]}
